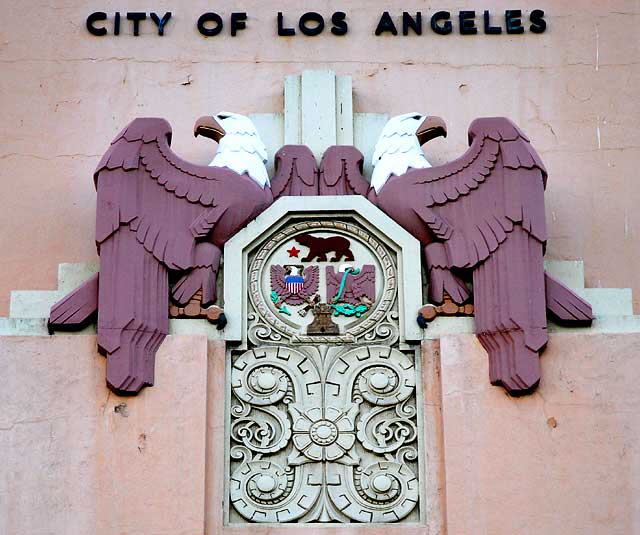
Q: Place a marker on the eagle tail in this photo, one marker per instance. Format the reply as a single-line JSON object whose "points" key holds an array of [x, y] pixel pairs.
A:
{"points": [[131, 367], [341, 172], [564, 306], [296, 172], [76, 309], [134, 311], [510, 311], [512, 364]]}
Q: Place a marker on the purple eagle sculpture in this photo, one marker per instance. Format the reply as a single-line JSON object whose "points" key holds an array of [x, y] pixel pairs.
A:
{"points": [[480, 218], [159, 215]]}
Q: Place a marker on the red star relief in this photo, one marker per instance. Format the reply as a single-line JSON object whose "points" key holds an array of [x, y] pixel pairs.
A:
{"points": [[293, 252]]}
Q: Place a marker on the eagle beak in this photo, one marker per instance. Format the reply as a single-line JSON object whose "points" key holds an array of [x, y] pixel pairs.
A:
{"points": [[207, 126], [431, 128]]}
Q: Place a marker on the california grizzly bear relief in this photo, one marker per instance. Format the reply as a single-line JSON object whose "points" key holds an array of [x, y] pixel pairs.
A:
{"points": [[319, 247]]}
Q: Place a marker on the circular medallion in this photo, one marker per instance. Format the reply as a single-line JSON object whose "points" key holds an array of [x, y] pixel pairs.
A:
{"points": [[266, 380], [323, 432], [381, 483], [321, 282], [266, 483], [379, 381]]}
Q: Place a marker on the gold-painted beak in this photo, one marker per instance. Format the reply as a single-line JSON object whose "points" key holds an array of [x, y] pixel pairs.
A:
{"points": [[207, 126], [431, 128]]}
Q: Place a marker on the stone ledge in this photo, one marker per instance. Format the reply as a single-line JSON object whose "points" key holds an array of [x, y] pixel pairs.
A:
{"points": [[443, 326], [38, 327]]}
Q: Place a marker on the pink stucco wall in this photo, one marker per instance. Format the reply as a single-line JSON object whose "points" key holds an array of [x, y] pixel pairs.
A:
{"points": [[77, 459], [64, 93], [563, 460]]}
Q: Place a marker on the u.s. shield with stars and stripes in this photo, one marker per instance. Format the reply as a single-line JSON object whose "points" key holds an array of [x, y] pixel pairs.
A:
{"points": [[294, 283]]}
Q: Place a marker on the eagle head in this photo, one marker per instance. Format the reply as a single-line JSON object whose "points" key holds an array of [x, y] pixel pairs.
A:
{"points": [[399, 146], [239, 145]]}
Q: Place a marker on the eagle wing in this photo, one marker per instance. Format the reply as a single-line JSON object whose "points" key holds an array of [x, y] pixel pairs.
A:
{"points": [[472, 220], [333, 280], [488, 209], [167, 201], [341, 172], [364, 284], [277, 274], [296, 172], [311, 281]]}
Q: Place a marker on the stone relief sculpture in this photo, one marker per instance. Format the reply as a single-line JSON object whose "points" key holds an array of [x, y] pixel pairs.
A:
{"points": [[340, 172], [324, 435], [296, 172], [324, 419], [359, 298], [161, 224]]}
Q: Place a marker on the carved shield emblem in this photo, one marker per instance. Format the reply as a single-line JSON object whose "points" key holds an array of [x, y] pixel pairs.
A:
{"points": [[294, 283]]}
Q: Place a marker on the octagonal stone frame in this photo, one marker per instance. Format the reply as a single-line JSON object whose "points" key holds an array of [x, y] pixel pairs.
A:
{"points": [[405, 246]]}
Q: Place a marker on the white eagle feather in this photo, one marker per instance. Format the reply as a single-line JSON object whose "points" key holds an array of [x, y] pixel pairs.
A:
{"points": [[241, 148], [397, 149]]}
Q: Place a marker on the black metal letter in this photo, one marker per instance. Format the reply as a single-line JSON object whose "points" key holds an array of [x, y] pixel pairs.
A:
{"points": [[492, 30], [95, 17], [136, 17], [538, 24], [282, 31], [468, 23], [238, 22], [514, 24], [340, 26], [386, 24], [311, 16], [408, 22], [210, 17], [160, 22], [446, 28]]}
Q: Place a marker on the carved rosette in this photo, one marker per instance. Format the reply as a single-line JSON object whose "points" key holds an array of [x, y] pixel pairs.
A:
{"points": [[324, 434]]}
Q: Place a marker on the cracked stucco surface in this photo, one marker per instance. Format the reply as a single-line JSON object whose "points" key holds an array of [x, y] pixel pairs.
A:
{"points": [[64, 94]]}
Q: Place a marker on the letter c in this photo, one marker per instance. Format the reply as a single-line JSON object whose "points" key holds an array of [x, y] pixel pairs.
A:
{"points": [[95, 17]]}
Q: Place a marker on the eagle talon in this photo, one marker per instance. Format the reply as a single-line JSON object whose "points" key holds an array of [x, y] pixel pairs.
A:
{"points": [[194, 310], [426, 314], [448, 308]]}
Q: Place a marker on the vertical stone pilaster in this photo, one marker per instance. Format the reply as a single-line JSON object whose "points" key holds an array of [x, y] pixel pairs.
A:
{"points": [[318, 110]]}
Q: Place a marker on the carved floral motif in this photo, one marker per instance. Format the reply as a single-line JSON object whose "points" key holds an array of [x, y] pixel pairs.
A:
{"points": [[324, 434]]}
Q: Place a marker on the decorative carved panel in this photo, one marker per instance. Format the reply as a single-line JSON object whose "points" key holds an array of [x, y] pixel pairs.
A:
{"points": [[324, 405], [324, 434]]}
